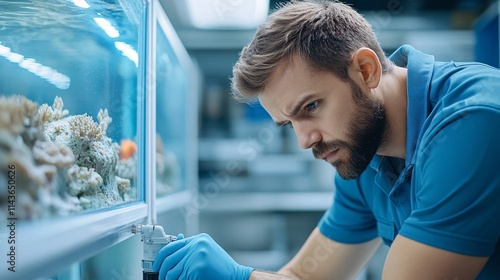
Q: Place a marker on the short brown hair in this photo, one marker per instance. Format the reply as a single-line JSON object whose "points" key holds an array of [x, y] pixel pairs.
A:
{"points": [[325, 33]]}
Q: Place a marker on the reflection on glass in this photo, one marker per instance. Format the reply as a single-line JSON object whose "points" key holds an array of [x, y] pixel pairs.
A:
{"points": [[68, 95], [171, 95]]}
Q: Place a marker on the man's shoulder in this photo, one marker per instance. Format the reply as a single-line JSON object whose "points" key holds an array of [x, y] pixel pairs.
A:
{"points": [[458, 84], [470, 126], [459, 91]]}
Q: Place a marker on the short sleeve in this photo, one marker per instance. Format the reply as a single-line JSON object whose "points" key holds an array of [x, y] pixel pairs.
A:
{"points": [[457, 186], [349, 219]]}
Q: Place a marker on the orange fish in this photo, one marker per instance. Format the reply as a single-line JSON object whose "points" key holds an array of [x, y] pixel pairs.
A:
{"points": [[127, 149]]}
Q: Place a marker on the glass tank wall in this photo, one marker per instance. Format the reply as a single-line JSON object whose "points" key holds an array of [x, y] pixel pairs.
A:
{"points": [[70, 85], [172, 94]]}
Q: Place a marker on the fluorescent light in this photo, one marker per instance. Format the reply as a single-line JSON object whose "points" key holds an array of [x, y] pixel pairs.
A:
{"points": [[31, 65], [4, 51], [107, 27], [234, 14], [15, 57], [128, 51], [61, 81], [81, 4]]}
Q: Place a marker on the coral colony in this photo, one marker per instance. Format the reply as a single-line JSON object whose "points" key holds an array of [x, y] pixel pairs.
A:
{"points": [[167, 169], [64, 164]]}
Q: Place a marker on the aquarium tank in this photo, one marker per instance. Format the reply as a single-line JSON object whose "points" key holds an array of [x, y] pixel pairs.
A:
{"points": [[174, 105], [71, 86]]}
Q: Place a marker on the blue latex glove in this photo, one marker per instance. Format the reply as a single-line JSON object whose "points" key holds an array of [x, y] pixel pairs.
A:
{"points": [[197, 258]]}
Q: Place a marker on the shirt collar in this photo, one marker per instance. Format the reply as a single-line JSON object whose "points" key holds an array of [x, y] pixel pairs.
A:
{"points": [[420, 68], [375, 162]]}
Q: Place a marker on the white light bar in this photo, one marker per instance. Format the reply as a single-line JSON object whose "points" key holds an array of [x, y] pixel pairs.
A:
{"points": [[81, 4], [61, 81], [128, 51], [107, 27], [227, 14]]}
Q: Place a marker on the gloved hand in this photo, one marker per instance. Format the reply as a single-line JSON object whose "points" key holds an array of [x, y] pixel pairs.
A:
{"points": [[197, 258]]}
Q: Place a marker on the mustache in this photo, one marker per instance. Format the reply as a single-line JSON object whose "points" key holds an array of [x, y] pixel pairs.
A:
{"points": [[323, 147]]}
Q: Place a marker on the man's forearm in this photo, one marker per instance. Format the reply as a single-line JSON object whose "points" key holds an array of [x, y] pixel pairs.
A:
{"points": [[267, 275]]}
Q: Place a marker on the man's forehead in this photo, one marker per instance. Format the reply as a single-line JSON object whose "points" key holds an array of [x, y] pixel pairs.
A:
{"points": [[285, 85], [281, 76], [272, 104]]}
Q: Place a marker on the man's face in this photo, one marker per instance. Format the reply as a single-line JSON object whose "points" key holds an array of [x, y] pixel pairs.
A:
{"points": [[340, 123]]}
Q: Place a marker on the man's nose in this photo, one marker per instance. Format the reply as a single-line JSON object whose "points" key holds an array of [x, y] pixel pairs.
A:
{"points": [[306, 135]]}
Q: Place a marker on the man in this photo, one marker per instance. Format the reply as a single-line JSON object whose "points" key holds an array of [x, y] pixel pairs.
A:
{"points": [[415, 142]]}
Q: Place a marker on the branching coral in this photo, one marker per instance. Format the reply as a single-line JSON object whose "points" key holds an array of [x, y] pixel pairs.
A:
{"points": [[84, 128], [13, 111], [45, 113], [82, 180], [19, 116], [92, 191], [59, 112], [123, 186], [104, 119], [54, 113]]}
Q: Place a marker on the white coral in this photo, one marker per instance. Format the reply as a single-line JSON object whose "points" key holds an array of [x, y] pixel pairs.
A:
{"points": [[84, 128], [123, 185], [57, 154], [16, 153], [19, 116], [82, 180], [126, 168], [59, 112], [45, 113], [34, 183], [54, 113], [104, 119], [58, 131]]}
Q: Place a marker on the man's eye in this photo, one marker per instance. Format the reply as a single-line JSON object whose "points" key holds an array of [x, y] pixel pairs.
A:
{"points": [[289, 125], [312, 106]]}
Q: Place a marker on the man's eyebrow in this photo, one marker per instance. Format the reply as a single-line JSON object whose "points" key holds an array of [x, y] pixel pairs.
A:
{"points": [[296, 108]]}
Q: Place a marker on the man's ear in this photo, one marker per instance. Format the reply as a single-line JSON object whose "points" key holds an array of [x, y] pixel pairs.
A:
{"points": [[366, 65]]}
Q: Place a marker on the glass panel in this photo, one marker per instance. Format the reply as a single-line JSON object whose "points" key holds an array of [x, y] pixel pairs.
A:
{"points": [[68, 110], [171, 95]]}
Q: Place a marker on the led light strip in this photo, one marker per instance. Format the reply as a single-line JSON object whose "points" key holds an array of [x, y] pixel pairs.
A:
{"points": [[105, 25], [61, 81], [81, 4], [128, 51]]}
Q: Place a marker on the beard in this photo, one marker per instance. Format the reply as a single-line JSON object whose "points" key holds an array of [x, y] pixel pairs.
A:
{"points": [[367, 127]]}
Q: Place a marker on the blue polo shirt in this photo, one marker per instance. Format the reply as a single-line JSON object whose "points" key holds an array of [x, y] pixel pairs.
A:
{"points": [[446, 192]]}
